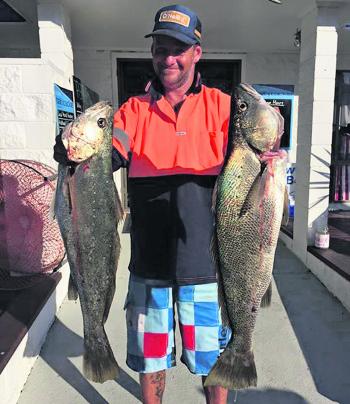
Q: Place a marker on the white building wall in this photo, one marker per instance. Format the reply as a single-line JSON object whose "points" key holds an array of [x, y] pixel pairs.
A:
{"points": [[27, 109], [94, 68], [273, 68], [27, 101]]}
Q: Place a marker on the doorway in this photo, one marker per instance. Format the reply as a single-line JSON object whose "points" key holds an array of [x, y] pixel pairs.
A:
{"points": [[134, 74]]}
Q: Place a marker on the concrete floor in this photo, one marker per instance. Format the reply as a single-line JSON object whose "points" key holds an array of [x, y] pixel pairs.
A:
{"points": [[301, 347]]}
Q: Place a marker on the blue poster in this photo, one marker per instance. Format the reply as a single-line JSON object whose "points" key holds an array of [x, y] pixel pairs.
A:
{"points": [[282, 98], [64, 107]]}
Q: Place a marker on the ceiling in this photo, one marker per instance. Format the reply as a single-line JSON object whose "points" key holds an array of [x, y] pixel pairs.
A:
{"points": [[241, 26], [228, 25]]}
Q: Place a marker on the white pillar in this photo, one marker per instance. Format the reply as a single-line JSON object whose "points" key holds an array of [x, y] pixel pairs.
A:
{"points": [[316, 91], [55, 36]]}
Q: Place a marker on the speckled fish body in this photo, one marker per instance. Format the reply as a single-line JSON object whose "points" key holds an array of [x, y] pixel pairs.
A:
{"points": [[249, 207], [87, 208]]}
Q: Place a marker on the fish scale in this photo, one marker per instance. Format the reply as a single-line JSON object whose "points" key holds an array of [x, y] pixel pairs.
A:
{"points": [[248, 212]]}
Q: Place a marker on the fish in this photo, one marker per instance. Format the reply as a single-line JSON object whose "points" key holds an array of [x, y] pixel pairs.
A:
{"points": [[248, 201], [87, 208]]}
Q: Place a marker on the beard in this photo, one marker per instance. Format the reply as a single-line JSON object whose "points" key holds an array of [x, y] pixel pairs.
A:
{"points": [[172, 80]]}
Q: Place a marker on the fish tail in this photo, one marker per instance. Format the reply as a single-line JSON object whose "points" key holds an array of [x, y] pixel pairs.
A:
{"points": [[72, 289], [266, 299], [233, 370], [99, 363]]}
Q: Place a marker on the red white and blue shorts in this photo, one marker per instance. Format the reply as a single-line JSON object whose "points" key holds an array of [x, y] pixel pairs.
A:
{"points": [[150, 326]]}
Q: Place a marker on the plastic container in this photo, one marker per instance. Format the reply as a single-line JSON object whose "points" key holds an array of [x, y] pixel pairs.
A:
{"points": [[322, 238]]}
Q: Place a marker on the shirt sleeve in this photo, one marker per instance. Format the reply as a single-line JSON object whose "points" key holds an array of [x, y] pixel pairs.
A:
{"points": [[124, 128]]}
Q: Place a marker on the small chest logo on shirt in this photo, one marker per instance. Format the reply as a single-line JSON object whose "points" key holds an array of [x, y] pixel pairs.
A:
{"points": [[181, 133]]}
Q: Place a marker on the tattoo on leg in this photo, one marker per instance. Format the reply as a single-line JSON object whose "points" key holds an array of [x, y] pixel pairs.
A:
{"points": [[158, 379]]}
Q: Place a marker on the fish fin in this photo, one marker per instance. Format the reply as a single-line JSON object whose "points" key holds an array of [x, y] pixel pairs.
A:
{"points": [[266, 299], [109, 299], [252, 195], [233, 371], [214, 251], [98, 368], [99, 364], [72, 289], [225, 320], [119, 207], [221, 293], [285, 216], [61, 189], [52, 214], [214, 197]]}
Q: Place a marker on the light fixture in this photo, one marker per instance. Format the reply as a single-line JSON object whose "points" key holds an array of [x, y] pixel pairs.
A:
{"points": [[276, 1], [297, 38]]}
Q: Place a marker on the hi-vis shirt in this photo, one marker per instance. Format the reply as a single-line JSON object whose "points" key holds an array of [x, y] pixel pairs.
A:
{"points": [[163, 143], [173, 161]]}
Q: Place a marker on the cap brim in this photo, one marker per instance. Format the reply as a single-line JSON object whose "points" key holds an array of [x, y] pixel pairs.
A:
{"points": [[174, 34]]}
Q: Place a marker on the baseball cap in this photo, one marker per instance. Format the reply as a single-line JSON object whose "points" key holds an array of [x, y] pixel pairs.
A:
{"points": [[178, 22]]}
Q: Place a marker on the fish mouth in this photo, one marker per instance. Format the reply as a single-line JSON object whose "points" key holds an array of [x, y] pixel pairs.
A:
{"points": [[254, 149], [258, 153]]}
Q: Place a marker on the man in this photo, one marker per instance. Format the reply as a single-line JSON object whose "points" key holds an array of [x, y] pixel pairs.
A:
{"points": [[173, 141]]}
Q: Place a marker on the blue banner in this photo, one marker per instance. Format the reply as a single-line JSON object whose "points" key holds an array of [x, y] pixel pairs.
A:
{"points": [[64, 107]]}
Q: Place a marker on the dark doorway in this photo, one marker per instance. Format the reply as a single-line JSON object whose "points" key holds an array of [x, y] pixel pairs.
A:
{"points": [[134, 74]]}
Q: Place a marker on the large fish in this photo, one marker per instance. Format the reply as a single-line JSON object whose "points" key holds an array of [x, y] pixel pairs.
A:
{"points": [[88, 209], [249, 204]]}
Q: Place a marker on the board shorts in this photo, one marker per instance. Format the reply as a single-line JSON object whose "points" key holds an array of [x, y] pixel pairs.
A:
{"points": [[151, 326]]}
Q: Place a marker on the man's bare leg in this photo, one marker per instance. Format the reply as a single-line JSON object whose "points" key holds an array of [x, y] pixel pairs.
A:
{"points": [[152, 387], [215, 394]]}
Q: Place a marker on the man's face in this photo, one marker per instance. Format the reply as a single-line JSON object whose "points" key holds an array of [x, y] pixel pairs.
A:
{"points": [[174, 61]]}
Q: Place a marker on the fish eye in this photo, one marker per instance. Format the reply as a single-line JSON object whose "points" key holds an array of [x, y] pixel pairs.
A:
{"points": [[101, 123], [242, 106]]}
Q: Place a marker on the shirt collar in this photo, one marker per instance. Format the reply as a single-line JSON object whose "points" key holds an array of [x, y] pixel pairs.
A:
{"points": [[155, 87]]}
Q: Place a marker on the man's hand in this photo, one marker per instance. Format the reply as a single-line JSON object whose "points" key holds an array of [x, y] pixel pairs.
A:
{"points": [[60, 153]]}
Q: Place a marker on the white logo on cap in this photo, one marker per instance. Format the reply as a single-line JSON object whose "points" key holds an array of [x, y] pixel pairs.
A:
{"points": [[175, 17]]}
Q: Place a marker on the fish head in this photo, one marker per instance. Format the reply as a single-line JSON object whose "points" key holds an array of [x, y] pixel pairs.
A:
{"points": [[87, 135], [259, 123]]}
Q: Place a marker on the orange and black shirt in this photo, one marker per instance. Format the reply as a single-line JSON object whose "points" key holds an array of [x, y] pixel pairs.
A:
{"points": [[173, 157]]}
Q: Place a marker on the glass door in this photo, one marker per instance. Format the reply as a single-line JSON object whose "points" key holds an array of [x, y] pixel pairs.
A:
{"points": [[340, 166]]}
